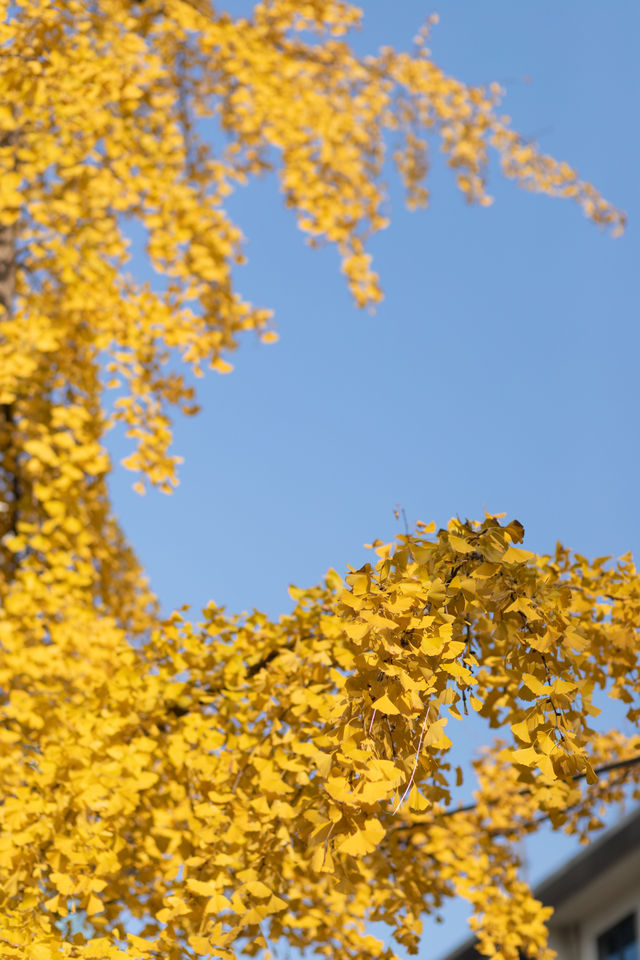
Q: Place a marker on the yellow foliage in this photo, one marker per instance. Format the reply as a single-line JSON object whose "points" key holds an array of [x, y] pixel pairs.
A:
{"points": [[232, 778]]}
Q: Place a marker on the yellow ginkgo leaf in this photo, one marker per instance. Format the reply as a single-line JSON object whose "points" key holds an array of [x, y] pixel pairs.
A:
{"points": [[257, 889], [364, 839], [203, 888], [200, 945], [384, 705]]}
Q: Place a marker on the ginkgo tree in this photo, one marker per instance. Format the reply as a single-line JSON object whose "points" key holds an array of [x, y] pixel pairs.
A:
{"points": [[212, 788]]}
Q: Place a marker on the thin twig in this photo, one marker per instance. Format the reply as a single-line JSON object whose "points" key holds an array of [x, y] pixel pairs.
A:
{"points": [[605, 768], [415, 765]]}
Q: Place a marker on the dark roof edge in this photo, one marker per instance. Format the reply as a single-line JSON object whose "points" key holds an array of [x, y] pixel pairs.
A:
{"points": [[610, 846]]}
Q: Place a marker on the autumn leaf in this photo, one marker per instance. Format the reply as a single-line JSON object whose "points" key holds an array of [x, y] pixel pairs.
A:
{"points": [[364, 840]]}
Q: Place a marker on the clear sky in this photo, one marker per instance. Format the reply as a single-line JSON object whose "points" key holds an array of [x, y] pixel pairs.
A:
{"points": [[499, 373]]}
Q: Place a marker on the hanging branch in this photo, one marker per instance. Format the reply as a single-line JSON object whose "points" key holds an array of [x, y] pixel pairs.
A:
{"points": [[468, 808], [7, 294]]}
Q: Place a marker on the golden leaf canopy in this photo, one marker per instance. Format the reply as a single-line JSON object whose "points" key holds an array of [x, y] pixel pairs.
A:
{"points": [[174, 789]]}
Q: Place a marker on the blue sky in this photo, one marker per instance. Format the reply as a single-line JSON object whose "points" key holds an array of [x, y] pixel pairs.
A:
{"points": [[499, 373]]}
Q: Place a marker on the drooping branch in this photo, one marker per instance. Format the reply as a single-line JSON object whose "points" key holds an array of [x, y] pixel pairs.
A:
{"points": [[469, 807], [7, 293]]}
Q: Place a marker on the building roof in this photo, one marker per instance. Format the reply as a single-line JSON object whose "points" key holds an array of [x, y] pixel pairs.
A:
{"points": [[571, 878]]}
